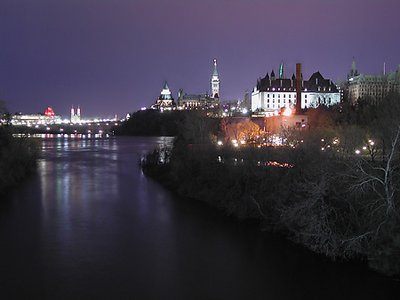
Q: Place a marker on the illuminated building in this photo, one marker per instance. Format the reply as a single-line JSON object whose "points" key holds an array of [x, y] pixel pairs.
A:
{"points": [[215, 82], [192, 101], [75, 115], [165, 101], [47, 118], [49, 112], [195, 101], [375, 87], [272, 93]]}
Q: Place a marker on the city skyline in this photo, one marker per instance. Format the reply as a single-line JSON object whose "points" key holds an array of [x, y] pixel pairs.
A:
{"points": [[113, 58]]}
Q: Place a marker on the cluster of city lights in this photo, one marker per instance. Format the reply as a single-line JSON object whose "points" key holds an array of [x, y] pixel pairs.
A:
{"points": [[369, 147], [64, 136], [278, 164], [278, 140], [370, 144]]}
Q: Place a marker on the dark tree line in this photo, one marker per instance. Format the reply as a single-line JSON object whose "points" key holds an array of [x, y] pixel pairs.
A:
{"points": [[332, 199], [17, 155]]}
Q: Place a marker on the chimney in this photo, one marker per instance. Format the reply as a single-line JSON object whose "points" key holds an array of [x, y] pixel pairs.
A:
{"points": [[298, 88]]}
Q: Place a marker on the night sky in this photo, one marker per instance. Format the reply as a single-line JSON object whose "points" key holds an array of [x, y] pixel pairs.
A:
{"points": [[112, 56]]}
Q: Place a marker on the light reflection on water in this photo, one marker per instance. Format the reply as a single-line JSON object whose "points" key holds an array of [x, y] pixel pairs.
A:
{"points": [[90, 225], [75, 174]]}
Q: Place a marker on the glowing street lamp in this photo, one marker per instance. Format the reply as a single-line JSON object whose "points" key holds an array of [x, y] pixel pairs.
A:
{"points": [[287, 112]]}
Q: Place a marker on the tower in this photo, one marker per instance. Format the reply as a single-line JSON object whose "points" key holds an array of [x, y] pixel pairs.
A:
{"points": [[299, 79], [75, 114], [353, 71], [215, 82]]}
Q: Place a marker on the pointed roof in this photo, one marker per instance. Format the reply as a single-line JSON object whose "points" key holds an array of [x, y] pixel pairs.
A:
{"points": [[353, 65], [165, 93], [215, 72], [316, 83], [353, 70], [316, 75], [165, 86]]}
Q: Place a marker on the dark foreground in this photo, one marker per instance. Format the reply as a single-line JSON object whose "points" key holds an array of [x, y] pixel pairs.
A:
{"points": [[91, 225]]}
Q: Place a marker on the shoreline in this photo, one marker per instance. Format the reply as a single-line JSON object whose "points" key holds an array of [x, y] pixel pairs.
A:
{"points": [[253, 207]]}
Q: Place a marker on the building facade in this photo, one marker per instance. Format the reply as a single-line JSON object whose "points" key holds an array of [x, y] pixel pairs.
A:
{"points": [[192, 101], [272, 93], [375, 87]]}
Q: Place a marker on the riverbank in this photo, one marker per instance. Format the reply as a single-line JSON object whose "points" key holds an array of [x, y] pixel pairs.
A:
{"points": [[93, 226], [305, 194], [17, 160]]}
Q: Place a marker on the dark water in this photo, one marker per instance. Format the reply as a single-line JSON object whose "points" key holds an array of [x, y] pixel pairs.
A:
{"points": [[90, 225]]}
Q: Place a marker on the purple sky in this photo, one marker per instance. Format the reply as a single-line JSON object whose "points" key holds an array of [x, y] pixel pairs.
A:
{"points": [[112, 56]]}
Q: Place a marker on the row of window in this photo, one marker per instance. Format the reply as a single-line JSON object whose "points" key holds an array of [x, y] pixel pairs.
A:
{"points": [[279, 95], [279, 101]]}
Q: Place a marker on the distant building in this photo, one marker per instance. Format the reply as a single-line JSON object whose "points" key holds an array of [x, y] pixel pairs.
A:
{"points": [[375, 87], [47, 118], [192, 101], [165, 101], [272, 93], [75, 115], [200, 101], [215, 82]]}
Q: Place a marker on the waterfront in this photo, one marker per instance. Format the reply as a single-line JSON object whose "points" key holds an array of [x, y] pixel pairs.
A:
{"points": [[89, 224]]}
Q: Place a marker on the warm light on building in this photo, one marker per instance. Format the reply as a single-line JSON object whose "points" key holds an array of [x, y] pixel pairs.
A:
{"points": [[287, 112]]}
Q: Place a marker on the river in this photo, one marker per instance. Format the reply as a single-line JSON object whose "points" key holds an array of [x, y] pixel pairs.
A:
{"points": [[89, 224]]}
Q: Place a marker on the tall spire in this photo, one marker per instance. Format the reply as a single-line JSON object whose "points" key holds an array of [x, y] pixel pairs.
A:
{"points": [[165, 86], [215, 82], [281, 75], [215, 72], [353, 70]]}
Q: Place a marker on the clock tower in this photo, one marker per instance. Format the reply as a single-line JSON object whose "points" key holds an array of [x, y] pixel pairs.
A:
{"points": [[215, 82]]}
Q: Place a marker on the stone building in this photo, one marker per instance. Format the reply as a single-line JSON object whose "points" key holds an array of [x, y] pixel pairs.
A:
{"points": [[273, 93], [375, 87]]}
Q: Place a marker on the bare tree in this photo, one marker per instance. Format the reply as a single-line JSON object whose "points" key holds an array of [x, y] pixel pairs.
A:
{"points": [[379, 179]]}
